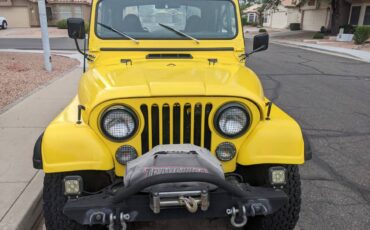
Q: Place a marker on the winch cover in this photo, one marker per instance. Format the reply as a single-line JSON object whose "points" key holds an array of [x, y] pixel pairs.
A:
{"points": [[167, 159]]}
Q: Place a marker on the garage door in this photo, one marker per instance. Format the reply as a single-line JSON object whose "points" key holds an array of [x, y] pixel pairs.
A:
{"points": [[16, 16], [279, 20], [313, 20]]}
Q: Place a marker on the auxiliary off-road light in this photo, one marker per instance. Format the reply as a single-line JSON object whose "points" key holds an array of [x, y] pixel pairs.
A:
{"points": [[225, 151], [72, 185], [277, 175], [125, 154]]}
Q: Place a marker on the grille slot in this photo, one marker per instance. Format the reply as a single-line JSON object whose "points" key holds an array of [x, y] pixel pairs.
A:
{"points": [[176, 124], [155, 125]]}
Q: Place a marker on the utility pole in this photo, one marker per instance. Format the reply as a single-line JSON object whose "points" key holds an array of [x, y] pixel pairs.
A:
{"points": [[45, 35]]}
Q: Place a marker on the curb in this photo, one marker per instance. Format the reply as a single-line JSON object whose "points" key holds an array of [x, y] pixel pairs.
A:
{"points": [[321, 50], [28, 207]]}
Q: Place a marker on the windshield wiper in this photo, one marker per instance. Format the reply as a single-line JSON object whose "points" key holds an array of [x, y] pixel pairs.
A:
{"points": [[118, 32], [179, 32]]}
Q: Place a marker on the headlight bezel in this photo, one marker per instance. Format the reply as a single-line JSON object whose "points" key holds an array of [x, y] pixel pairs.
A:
{"points": [[224, 108], [126, 109]]}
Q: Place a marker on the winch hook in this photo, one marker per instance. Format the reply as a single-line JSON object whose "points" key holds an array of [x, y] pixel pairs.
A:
{"points": [[190, 203]]}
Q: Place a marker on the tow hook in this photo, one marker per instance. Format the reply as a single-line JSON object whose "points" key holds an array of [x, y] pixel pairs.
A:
{"points": [[234, 212], [122, 218]]}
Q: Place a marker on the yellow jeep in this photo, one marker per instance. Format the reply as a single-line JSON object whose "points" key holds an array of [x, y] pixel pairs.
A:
{"points": [[169, 123]]}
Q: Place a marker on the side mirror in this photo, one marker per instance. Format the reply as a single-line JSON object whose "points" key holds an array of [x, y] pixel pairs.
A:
{"points": [[260, 42], [76, 28]]}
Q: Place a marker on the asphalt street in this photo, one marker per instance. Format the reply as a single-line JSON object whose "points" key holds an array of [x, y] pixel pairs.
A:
{"points": [[36, 44], [329, 97]]}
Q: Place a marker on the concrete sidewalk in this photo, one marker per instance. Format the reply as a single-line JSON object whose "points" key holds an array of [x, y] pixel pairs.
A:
{"points": [[20, 126], [343, 52]]}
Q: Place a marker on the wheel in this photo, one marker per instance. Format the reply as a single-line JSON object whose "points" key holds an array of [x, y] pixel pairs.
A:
{"points": [[5, 25], [54, 201], [287, 216]]}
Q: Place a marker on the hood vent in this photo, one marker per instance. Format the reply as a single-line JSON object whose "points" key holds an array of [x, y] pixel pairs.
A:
{"points": [[169, 56]]}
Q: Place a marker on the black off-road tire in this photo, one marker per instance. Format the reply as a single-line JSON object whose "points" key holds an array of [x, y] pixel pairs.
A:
{"points": [[54, 201], [287, 216]]}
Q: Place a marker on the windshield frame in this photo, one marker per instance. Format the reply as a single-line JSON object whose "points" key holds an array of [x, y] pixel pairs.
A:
{"points": [[237, 21]]}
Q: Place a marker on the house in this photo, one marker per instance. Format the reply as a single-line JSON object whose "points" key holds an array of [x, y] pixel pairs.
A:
{"points": [[283, 15], [252, 13], [359, 12], [24, 13], [315, 14]]}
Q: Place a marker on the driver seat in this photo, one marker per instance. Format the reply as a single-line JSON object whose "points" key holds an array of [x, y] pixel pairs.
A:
{"points": [[194, 24], [131, 23]]}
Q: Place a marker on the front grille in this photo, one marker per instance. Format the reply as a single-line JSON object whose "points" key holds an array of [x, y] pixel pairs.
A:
{"points": [[175, 124]]}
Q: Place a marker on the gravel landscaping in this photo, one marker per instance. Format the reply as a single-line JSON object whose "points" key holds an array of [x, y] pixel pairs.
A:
{"points": [[20, 73]]}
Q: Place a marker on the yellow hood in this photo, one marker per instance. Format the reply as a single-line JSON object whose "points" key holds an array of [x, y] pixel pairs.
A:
{"points": [[158, 78]]}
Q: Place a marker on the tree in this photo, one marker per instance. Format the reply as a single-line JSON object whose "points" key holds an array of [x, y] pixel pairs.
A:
{"points": [[266, 4], [339, 14]]}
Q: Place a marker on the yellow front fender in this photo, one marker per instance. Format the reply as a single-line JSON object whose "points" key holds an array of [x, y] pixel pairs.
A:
{"points": [[275, 141], [67, 146]]}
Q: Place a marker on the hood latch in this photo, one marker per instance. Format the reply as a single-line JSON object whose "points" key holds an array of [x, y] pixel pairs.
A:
{"points": [[212, 61]]}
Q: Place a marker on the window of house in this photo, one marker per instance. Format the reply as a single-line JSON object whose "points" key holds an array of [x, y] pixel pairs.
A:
{"points": [[367, 16], [250, 17], [355, 15], [49, 13], [311, 2]]}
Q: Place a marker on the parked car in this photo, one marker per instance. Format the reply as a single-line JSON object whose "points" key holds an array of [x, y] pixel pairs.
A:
{"points": [[169, 123], [3, 23]]}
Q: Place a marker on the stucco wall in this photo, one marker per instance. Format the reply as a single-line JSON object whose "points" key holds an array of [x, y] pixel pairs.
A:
{"points": [[24, 13]]}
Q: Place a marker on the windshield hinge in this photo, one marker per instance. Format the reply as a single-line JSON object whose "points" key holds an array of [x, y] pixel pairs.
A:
{"points": [[212, 61], [126, 61]]}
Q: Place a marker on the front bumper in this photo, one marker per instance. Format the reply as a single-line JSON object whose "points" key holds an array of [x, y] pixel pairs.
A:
{"points": [[115, 207]]}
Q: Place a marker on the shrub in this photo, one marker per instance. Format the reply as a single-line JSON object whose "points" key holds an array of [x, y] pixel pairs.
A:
{"points": [[245, 21], [348, 29], [318, 35], [295, 26], [262, 30], [361, 34], [62, 24], [255, 24]]}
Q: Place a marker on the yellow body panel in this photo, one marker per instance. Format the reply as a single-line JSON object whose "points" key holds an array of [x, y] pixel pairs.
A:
{"points": [[276, 141], [67, 146]]}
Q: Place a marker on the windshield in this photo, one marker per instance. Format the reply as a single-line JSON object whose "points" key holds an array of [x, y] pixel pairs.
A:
{"points": [[166, 19]]}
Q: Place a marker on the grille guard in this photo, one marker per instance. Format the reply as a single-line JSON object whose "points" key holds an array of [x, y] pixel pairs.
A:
{"points": [[134, 205]]}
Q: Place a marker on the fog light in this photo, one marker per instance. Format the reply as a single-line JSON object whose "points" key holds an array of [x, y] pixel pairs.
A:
{"points": [[225, 151], [277, 175], [73, 185], [125, 154]]}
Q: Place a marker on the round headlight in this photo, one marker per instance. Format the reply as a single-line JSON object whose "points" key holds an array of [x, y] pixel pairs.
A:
{"points": [[225, 151], [125, 154], [232, 120], [119, 123]]}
